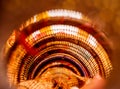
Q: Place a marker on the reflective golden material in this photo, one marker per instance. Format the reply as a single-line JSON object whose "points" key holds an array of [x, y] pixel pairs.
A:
{"points": [[56, 49]]}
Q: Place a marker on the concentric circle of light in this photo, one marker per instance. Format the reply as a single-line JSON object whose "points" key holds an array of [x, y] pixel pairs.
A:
{"points": [[56, 45]]}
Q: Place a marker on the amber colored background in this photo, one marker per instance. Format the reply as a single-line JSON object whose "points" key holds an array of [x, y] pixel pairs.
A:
{"points": [[105, 13]]}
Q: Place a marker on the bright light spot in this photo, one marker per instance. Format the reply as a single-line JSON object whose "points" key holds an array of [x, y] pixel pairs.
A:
{"points": [[34, 19], [65, 13], [91, 40], [35, 34], [74, 87], [65, 29]]}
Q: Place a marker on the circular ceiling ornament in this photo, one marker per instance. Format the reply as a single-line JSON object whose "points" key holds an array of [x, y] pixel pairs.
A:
{"points": [[56, 49]]}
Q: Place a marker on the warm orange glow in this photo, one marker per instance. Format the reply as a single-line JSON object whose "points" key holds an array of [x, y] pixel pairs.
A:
{"points": [[56, 45]]}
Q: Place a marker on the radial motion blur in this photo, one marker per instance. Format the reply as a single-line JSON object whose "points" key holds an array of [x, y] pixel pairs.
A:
{"points": [[56, 49]]}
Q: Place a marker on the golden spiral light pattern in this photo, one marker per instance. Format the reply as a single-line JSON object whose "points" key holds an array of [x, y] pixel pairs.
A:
{"points": [[55, 47]]}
